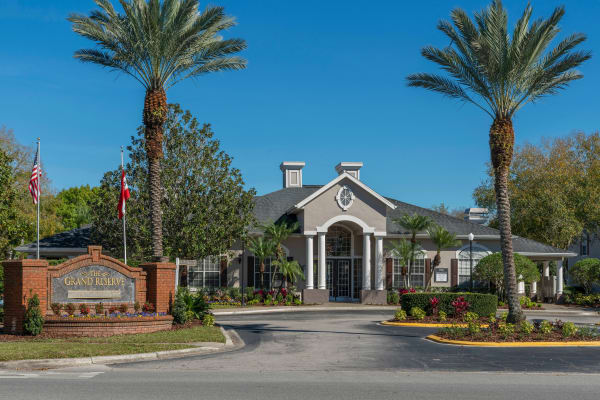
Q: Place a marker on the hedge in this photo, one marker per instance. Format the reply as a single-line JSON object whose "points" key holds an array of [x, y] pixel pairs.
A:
{"points": [[482, 304]]}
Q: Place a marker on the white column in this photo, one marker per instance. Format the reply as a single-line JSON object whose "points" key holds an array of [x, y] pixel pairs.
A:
{"points": [[534, 287], [309, 263], [546, 269], [559, 269], [366, 261], [379, 263], [521, 287], [322, 265]]}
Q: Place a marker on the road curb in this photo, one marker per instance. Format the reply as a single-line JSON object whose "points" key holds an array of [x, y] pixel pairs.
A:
{"points": [[205, 348], [426, 325], [302, 309], [437, 339]]}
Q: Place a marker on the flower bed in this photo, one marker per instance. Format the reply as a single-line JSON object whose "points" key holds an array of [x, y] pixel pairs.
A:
{"points": [[232, 297], [106, 325], [524, 332]]}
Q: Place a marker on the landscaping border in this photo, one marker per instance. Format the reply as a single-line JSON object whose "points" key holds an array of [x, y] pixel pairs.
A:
{"points": [[426, 324], [438, 339]]}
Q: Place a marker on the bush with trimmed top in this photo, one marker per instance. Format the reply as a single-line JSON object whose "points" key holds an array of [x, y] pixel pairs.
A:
{"points": [[480, 303]]}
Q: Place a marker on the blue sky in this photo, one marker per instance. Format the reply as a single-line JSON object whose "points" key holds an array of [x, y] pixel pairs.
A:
{"points": [[325, 83]]}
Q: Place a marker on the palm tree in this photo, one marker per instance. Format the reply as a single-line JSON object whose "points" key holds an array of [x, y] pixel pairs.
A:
{"points": [[278, 233], [500, 74], [414, 224], [442, 240], [262, 249], [403, 250], [158, 43], [290, 270]]}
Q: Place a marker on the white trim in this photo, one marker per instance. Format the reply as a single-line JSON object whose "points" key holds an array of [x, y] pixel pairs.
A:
{"points": [[352, 179], [341, 218], [338, 197], [308, 233], [532, 254], [476, 245], [380, 234]]}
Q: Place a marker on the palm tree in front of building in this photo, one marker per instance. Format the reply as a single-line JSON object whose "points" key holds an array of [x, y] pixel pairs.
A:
{"points": [[500, 73], [442, 239], [158, 43], [403, 250], [413, 224], [262, 248]]}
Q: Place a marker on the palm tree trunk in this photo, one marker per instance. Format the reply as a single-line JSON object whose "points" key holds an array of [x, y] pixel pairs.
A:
{"points": [[155, 115], [502, 140]]}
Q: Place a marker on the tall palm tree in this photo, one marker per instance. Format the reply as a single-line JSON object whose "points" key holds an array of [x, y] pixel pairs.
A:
{"points": [[278, 233], [500, 73], [262, 249], [290, 270], [414, 224], [442, 239], [158, 43]]}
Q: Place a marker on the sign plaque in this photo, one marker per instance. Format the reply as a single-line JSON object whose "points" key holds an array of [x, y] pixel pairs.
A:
{"points": [[93, 284]]}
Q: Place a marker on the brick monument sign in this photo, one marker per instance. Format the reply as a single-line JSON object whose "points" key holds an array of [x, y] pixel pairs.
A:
{"points": [[89, 279]]}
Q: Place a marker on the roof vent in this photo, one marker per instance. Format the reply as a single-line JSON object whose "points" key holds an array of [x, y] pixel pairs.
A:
{"points": [[352, 168], [292, 173], [477, 215]]}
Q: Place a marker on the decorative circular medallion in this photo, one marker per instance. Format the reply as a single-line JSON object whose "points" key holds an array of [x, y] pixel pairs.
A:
{"points": [[345, 197]]}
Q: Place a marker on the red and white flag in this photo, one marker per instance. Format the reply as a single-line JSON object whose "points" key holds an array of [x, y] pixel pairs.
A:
{"points": [[34, 181], [124, 195]]}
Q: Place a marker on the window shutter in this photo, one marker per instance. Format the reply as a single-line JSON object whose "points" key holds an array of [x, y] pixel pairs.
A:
{"points": [[250, 271], [427, 271], [454, 272], [389, 273], [223, 273]]}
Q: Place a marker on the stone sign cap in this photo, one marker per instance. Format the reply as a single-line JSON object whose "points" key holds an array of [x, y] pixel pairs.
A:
{"points": [[95, 252]]}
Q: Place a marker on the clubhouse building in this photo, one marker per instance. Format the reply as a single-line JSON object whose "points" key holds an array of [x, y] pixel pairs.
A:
{"points": [[343, 243]]}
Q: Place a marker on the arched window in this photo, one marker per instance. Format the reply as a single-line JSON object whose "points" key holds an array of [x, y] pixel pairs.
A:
{"points": [[417, 272], [464, 261], [338, 242]]}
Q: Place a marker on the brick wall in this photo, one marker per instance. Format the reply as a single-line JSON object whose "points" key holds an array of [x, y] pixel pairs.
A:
{"points": [[160, 283], [100, 328]]}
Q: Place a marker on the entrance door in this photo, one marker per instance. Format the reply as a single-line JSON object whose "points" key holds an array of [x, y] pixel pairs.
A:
{"points": [[339, 279]]}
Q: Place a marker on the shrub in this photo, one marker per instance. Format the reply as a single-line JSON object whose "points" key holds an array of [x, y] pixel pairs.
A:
{"points": [[208, 320], [279, 298], [586, 273], [400, 315], [250, 293], [442, 316], [569, 329], [545, 327], [417, 313], [148, 307], [34, 321], [179, 309], [297, 301], [480, 303], [504, 316], [473, 327], [56, 307], [123, 308], [393, 297], [470, 317], [506, 329], [492, 318], [137, 307], [195, 305], [526, 327], [99, 308], [460, 306], [434, 302], [84, 309], [70, 308]]}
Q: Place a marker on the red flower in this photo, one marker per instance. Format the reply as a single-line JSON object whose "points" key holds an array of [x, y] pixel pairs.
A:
{"points": [[434, 301], [403, 291], [412, 290], [460, 305]]}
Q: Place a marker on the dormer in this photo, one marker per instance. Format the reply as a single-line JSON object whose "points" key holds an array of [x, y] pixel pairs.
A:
{"points": [[292, 173], [352, 168]]}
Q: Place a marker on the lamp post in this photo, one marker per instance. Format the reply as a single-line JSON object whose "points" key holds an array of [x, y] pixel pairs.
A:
{"points": [[471, 237]]}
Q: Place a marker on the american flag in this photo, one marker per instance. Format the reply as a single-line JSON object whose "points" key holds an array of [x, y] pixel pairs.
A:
{"points": [[34, 182]]}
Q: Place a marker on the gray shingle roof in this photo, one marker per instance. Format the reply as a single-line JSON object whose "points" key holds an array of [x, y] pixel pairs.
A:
{"points": [[74, 239]]}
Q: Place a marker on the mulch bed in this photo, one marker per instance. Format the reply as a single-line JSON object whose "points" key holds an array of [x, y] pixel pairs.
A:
{"points": [[522, 307], [489, 336]]}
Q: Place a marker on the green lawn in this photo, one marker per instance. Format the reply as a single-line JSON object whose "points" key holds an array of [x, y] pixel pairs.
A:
{"points": [[123, 344]]}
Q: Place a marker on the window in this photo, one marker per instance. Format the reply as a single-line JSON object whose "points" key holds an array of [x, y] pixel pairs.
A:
{"points": [[584, 245], [268, 281], [345, 197], [417, 273], [207, 274], [464, 262], [338, 242]]}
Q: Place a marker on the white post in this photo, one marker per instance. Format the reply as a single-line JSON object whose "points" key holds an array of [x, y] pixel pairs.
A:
{"points": [[521, 286], [546, 268], [534, 287], [176, 273], [39, 196], [322, 263], [366, 261], [379, 263], [309, 263], [559, 269], [124, 231]]}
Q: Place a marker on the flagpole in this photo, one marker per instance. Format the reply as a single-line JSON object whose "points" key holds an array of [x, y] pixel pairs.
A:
{"points": [[124, 231], [39, 199]]}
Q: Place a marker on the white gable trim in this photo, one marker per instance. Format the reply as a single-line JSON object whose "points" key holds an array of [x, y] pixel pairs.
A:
{"points": [[339, 218], [352, 179]]}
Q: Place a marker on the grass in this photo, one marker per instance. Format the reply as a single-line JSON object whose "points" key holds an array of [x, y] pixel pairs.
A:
{"points": [[122, 344]]}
